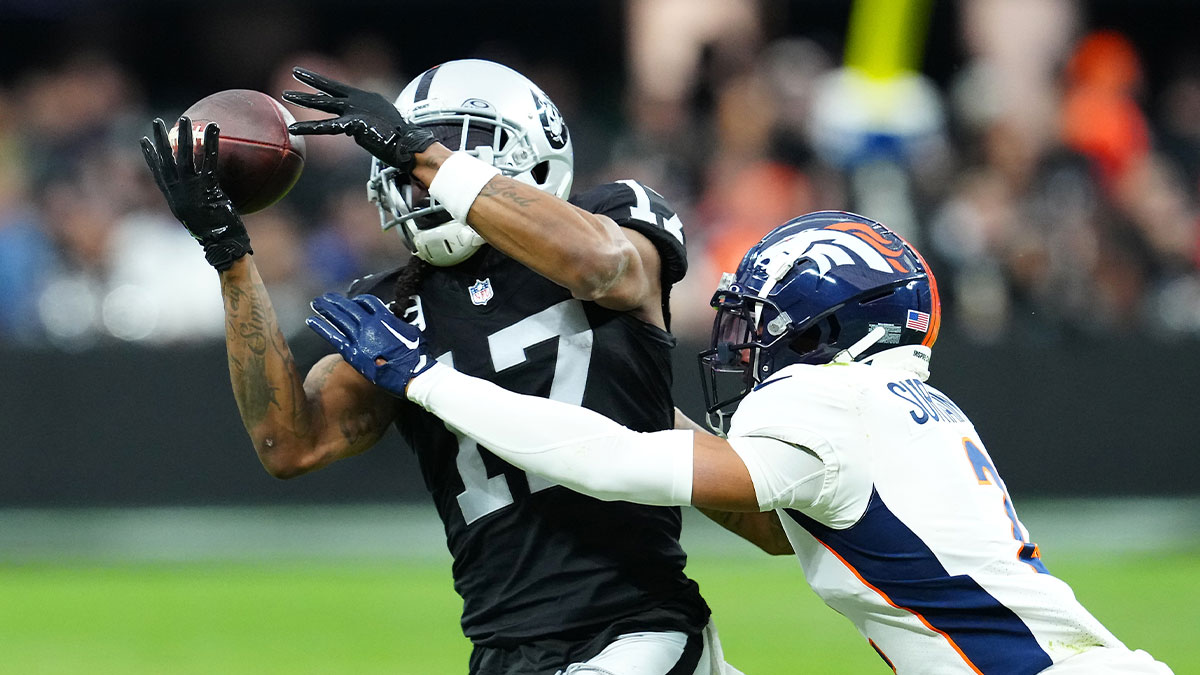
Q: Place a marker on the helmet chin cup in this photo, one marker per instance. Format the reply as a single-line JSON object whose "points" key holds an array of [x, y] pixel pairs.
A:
{"points": [[444, 245]]}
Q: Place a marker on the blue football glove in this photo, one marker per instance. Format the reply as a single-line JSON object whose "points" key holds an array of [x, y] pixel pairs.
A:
{"points": [[385, 349]]}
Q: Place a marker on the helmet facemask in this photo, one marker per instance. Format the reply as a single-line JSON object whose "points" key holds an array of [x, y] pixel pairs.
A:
{"points": [[752, 337], [852, 288], [404, 203], [490, 111]]}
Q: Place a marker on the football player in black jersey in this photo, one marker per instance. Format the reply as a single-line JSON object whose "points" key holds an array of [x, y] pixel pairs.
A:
{"points": [[513, 284]]}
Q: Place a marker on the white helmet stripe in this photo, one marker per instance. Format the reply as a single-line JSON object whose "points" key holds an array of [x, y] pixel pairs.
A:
{"points": [[827, 256], [826, 248]]}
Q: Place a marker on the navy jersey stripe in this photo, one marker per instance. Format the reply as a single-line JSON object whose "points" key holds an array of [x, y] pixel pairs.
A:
{"points": [[423, 86], [884, 553], [760, 385]]}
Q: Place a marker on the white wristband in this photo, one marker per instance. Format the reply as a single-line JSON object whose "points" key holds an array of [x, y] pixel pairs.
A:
{"points": [[459, 181]]}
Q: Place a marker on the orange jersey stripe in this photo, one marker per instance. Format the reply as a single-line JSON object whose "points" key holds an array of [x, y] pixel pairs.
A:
{"points": [[910, 611]]}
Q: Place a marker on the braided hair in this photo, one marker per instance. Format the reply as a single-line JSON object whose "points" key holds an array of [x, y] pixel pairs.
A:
{"points": [[407, 284]]}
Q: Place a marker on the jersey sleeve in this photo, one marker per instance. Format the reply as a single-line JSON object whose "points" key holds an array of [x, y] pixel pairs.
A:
{"points": [[799, 417], [633, 205], [785, 475], [380, 284]]}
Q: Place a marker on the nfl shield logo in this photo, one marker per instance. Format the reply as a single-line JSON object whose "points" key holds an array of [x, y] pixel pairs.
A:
{"points": [[481, 291]]}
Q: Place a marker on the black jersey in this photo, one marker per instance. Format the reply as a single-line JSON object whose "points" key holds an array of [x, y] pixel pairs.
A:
{"points": [[533, 559]]}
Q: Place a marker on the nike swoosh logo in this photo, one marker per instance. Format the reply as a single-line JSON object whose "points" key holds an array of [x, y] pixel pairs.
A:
{"points": [[411, 344]]}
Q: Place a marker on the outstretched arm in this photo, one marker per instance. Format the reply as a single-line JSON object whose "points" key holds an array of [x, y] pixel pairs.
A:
{"points": [[586, 253], [587, 452], [762, 529], [571, 445], [296, 425]]}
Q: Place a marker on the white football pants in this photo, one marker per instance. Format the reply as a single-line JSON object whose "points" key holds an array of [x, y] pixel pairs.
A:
{"points": [[655, 653], [1109, 661]]}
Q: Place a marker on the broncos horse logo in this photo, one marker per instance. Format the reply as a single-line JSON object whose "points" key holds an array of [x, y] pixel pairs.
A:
{"points": [[892, 250], [844, 244]]}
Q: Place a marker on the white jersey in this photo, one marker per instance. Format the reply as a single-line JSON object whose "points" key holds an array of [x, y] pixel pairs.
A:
{"points": [[906, 527]]}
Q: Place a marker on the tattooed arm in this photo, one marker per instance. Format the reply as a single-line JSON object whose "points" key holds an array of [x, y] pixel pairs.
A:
{"points": [[761, 529], [296, 424], [584, 252]]}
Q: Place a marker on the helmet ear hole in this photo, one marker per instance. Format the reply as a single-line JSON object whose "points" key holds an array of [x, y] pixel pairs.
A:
{"points": [[807, 341], [541, 172], [810, 342]]}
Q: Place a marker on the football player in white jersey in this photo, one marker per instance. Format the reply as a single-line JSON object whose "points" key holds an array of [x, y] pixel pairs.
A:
{"points": [[889, 498]]}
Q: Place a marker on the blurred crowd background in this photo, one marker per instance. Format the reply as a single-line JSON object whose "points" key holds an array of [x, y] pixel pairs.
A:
{"points": [[1043, 154]]}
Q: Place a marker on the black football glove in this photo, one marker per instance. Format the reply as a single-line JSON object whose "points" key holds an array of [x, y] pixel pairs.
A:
{"points": [[370, 118], [193, 194]]}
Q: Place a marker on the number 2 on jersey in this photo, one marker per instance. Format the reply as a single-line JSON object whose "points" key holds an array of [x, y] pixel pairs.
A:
{"points": [[566, 321], [986, 473]]}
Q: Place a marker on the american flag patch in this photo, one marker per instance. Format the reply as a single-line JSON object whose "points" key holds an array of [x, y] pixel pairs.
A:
{"points": [[917, 321]]}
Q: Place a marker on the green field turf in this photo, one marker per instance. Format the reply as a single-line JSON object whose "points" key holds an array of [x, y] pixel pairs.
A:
{"points": [[375, 616]]}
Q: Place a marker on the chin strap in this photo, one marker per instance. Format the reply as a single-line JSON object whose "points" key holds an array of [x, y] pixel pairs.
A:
{"points": [[718, 422]]}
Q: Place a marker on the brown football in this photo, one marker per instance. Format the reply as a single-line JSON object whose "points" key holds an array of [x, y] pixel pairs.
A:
{"points": [[258, 161]]}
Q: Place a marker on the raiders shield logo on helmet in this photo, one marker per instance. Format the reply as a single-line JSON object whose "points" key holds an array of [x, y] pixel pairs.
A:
{"points": [[552, 121]]}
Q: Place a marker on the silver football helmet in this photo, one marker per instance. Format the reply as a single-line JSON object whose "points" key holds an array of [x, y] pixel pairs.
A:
{"points": [[496, 114]]}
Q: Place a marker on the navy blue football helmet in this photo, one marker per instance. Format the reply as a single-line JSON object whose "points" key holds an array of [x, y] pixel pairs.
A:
{"points": [[824, 285]]}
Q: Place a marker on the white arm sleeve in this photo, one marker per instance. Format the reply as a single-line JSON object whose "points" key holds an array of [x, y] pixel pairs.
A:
{"points": [[573, 446], [784, 475]]}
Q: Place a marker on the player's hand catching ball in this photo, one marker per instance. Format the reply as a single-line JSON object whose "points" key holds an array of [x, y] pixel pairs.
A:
{"points": [[383, 348], [370, 118], [190, 186]]}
